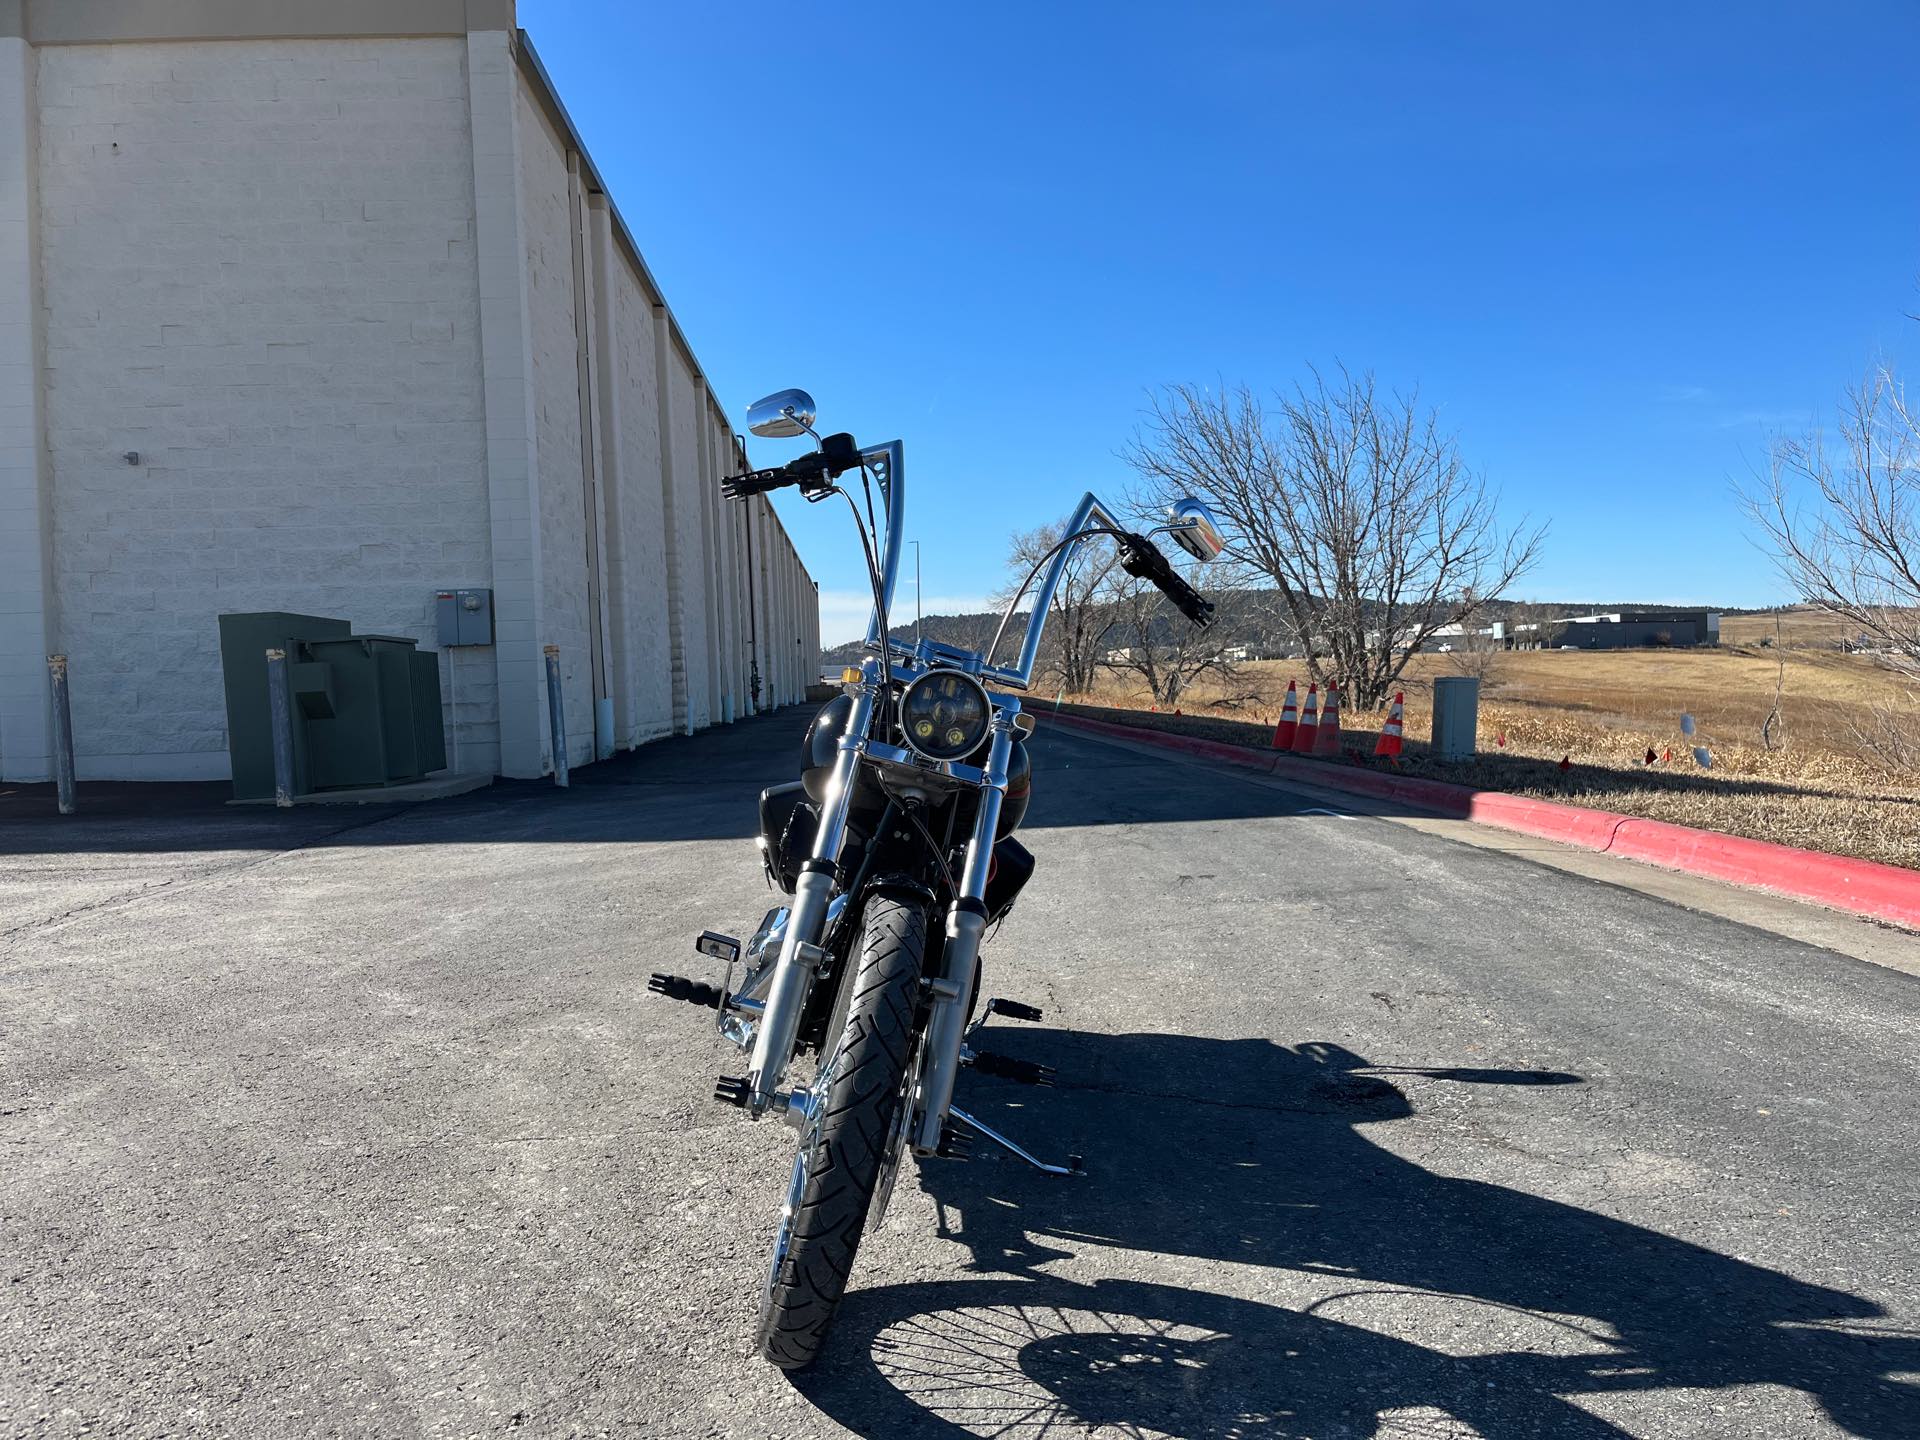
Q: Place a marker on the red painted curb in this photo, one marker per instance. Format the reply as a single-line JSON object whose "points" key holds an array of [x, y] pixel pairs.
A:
{"points": [[1865, 887]]}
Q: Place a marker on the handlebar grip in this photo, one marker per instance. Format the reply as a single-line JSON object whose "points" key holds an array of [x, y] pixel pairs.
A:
{"points": [[1193, 605], [813, 473], [1140, 556], [755, 482]]}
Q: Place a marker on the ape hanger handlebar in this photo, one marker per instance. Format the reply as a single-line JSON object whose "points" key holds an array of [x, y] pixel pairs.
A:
{"points": [[790, 413]]}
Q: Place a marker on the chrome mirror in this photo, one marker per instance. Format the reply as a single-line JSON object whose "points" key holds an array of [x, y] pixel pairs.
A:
{"points": [[1194, 530], [781, 415]]}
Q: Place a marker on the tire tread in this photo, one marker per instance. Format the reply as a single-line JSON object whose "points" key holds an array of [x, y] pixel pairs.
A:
{"points": [[858, 1115]]}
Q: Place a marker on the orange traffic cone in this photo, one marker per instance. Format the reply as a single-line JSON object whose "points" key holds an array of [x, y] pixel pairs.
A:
{"points": [[1309, 723], [1326, 740], [1390, 733], [1283, 733]]}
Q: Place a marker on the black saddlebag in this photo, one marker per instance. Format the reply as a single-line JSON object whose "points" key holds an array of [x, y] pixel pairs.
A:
{"points": [[788, 820], [1012, 868]]}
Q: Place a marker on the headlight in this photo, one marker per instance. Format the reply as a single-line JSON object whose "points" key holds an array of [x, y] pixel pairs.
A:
{"points": [[945, 714]]}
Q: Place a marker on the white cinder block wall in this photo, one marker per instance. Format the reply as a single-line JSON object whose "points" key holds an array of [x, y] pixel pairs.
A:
{"points": [[26, 601], [256, 262], [547, 232], [327, 322], [642, 647]]}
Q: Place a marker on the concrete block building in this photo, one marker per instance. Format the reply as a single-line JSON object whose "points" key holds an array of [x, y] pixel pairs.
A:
{"points": [[321, 306]]}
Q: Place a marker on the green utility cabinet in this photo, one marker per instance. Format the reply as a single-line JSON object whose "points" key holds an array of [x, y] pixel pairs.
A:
{"points": [[370, 706], [365, 708]]}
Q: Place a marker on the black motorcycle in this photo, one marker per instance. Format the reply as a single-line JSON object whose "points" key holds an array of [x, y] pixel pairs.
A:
{"points": [[897, 846]]}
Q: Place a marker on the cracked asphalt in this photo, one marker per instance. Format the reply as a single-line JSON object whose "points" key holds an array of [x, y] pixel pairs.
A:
{"points": [[362, 1123]]}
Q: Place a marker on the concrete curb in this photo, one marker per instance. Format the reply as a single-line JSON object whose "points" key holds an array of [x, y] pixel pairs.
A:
{"points": [[1864, 887]]}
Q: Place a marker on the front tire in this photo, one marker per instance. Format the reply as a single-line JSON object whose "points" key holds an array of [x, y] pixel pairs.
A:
{"points": [[842, 1150]]}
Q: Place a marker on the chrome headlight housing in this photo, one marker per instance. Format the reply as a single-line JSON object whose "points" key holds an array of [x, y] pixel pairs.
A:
{"points": [[945, 715]]}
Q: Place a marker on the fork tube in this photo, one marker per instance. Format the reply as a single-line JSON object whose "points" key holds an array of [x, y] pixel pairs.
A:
{"points": [[966, 922], [793, 971]]}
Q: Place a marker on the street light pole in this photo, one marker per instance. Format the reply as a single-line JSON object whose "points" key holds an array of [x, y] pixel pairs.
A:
{"points": [[918, 632]]}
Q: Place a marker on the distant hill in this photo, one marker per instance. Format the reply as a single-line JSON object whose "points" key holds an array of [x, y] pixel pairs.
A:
{"points": [[969, 632], [1254, 618]]}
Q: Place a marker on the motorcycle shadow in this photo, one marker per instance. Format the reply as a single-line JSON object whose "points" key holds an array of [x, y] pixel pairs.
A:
{"points": [[1256, 1153]]}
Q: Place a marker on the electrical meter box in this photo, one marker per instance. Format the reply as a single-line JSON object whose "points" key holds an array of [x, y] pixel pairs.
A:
{"points": [[465, 616]]}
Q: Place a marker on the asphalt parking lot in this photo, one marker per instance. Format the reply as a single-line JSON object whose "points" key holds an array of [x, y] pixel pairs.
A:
{"points": [[363, 1123]]}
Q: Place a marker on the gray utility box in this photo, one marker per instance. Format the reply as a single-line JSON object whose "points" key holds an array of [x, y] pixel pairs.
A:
{"points": [[1456, 716], [365, 708], [465, 617]]}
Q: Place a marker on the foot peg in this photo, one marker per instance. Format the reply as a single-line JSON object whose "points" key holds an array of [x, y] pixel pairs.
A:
{"points": [[694, 992], [716, 946], [1013, 1009], [955, 1143], [1024, 1072], [732, 1090]]}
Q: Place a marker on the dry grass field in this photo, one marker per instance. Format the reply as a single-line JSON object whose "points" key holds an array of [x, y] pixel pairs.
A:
{"points": [[1822, 785], [1800, 626]]}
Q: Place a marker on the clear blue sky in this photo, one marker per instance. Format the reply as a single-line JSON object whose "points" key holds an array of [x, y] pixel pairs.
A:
{"points": [[1618, 245]]}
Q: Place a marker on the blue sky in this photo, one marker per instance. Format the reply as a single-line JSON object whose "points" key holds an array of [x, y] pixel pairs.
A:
{"points": [[1617, 245]]}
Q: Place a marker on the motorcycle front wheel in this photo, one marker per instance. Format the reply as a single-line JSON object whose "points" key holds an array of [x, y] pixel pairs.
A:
{"points": [[844, 1144]]}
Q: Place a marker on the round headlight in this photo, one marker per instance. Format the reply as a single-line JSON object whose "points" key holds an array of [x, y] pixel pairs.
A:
{"points": [[945, 714]]}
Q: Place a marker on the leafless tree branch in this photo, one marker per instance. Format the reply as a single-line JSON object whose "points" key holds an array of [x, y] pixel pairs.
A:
{"points": [[1354, 503], [1843, 520], [1076, 630]]}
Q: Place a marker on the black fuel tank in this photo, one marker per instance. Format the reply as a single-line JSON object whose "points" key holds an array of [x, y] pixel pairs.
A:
{"points": [[822, 744], [1013, 809], [787, 826]]}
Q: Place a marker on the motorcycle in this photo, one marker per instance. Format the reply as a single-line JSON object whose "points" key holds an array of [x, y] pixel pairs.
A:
{"points": [[897, 847]]}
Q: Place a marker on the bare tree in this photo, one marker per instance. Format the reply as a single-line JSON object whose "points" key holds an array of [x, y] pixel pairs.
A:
{"points": [[1773, 729], [1845, 527], [1077, 628], [1355, 504], [1534, 626], [1154, 641], [1476, 653]]}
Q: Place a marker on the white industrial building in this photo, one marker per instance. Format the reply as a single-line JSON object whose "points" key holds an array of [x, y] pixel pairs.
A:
{"points": [[320, 306]]}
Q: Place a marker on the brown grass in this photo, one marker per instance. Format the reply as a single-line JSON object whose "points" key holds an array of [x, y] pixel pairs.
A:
{"points": [[1800, 625], [1602, 711]]}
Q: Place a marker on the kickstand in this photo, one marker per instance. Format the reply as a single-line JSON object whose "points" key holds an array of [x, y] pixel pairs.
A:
{"points": [[1074, 1166]]}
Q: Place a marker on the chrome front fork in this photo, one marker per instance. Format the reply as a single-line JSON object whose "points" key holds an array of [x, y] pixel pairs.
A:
{"points": [[800, 952], [966, 922]]}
